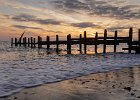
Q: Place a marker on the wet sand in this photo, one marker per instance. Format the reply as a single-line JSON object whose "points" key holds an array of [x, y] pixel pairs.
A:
{"points": [[121, 84]]}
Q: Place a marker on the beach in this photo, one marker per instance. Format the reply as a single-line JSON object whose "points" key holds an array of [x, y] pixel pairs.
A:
{"points": [[121, 84]]}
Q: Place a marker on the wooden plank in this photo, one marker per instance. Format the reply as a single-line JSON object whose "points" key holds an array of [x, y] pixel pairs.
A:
{"points": [[135, 43]]}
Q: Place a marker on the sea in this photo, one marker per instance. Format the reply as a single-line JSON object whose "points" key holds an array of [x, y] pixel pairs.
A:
{"points": [[22, 67]]}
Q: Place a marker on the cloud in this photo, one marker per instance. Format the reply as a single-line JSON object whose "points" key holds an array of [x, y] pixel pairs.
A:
{"points": [[31, 18], [118, 28], [54, 31], [70, 5], [25, 27], [83, 25], [106, 8]]}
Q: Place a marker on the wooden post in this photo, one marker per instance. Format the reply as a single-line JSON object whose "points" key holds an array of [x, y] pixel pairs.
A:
{"points": [[31, 42], [139, 35], [48, 42], [85, 42], [25, 41], [80, 44], [69, 44], [115, 39], [130, 39], [20, 42], [16, 42], [28, 42], [34, 42], [38, 41], [96, 38], [105, 36], [57, 43], [12, 42]]}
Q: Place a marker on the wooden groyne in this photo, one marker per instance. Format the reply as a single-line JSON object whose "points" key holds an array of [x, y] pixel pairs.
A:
{"points": [[82, 41]]}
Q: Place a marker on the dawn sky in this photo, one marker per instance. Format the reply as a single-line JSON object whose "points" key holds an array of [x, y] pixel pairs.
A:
{"points": [[62, 17]]}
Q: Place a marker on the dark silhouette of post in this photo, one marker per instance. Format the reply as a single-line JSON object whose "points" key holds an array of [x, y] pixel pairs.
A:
{"points": [[96, 45], [34, 42], [12, 42], [139, 37], [16, 43], [28, 42], [25, 41], [20, 42], [115, 40], [80, 43], [130, 39], [39, 42], [105, 37], [85, 42], [57, 43], [48, 42], [31, 42], [69, 44]]}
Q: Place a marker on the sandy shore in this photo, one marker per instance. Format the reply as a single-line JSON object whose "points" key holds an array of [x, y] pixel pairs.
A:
{"points": [[121, 84]]}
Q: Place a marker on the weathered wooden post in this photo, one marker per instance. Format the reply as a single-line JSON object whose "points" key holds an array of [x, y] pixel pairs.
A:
{"points": [[12, 42], [38, 41], [31, 42], [130, 38], [80, 44], [25, 41], [69, 44], [115, 39], [16, 42], [48, 42], [28, 42], [85, 42], [57, 43], [34, 42], [139, 35], [95, 40], [20, 42], [105, 36]]}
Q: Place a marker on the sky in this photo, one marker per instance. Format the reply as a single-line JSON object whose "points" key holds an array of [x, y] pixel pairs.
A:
{"points": [[62, 17]]}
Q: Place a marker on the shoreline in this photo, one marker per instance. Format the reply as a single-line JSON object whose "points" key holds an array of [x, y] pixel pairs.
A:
{"points": [[117, 84]]}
